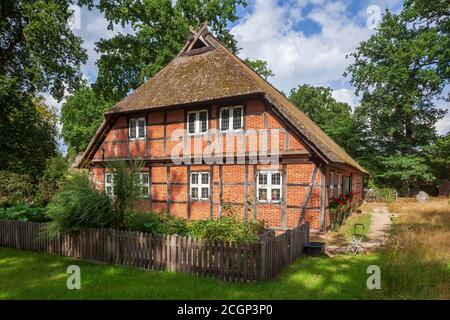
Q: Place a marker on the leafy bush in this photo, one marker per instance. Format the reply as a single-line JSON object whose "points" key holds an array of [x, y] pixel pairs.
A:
{"points": [[340, 209], [156, 223], [53, 178], [79, 205], [126, 189], [14, 188], [24, 212], [227, 228]]}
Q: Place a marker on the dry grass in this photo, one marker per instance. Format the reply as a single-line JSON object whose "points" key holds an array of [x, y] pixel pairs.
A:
{"points": [[415, 261]]}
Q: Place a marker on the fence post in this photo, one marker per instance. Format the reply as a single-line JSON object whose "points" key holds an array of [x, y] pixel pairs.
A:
{"points": [[261, 260]]}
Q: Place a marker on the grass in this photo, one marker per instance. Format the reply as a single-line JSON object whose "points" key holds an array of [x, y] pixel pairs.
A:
{"points": [[29, 275], [414, 265], [343, 235], [416, 261]]}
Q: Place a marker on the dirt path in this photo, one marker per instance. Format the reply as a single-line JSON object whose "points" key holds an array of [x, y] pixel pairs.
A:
{"points": [[379, 227]]}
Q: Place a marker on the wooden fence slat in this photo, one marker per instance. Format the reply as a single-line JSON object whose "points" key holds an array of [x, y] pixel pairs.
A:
{"points": [[214, 259]]}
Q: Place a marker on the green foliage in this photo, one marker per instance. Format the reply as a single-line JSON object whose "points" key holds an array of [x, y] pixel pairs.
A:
{"points": [[79, 205], [27, 130], [227, 228], [24, 212], [160, 30], [126, 189], [438, 158], [14, 188], [333, 117], [54, 176], [404, 170], [260, 67], [340, 209], [156, 223], [81, 115], [39, 52]]}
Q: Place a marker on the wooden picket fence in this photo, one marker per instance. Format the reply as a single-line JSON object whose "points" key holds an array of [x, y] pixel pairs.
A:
{"points": [[215, 259]]}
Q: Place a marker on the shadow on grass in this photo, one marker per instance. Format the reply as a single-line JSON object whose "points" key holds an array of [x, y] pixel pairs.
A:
{"points": [[28, 275]]}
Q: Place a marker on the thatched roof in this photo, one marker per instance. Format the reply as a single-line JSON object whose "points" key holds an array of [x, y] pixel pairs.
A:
{"points": [[206, 71]]}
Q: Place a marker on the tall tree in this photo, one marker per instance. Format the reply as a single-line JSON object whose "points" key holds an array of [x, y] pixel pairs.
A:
{"points": [[81, 115], [27, 130], [38, 50], [400, 72], [160, 28]]}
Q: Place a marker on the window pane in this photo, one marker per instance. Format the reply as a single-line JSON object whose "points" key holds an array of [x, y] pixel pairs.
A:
{"points": [[262, 178], [205, 178], [108, 178], [132, 128], [332, 178], [203, 121], [276, 179], [144, 178], [194, 178], [194, 193], [237, 118], [276, 194], [109, 191], [205, 193], [225, 119], [262, 194], [191, 122], [141, 128]]}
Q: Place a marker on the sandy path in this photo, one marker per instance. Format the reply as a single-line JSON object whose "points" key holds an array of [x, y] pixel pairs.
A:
{"points": [[379, 228]]}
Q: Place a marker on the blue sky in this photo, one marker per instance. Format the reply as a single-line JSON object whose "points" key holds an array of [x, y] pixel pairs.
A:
{"points": [[303, 41]]}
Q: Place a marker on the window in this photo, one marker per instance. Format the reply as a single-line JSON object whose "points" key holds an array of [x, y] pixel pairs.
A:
{"points": [[199, 185], [350, 184], [331, 184], [109, 184], [143, 183], [231, 118], [136, 128], [269, 186], [339, 184], [197, 122]]}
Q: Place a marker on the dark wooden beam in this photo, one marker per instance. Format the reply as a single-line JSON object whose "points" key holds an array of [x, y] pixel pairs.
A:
{"points": [[308, 195]]}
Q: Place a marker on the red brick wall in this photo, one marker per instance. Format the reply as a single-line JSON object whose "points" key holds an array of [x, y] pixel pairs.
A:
{"points": [[157, 144], [233, 191], [162, 124]]}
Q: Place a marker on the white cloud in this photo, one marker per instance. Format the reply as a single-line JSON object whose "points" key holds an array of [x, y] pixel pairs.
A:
{"points": [[295, 58], [346, 95]]}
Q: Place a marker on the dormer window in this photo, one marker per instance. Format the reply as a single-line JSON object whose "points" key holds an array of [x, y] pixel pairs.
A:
{"points": [[136, 128], [231, 118]]}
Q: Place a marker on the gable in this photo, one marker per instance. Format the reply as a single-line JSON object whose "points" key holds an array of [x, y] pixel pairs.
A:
{"points": [[216, 75]]}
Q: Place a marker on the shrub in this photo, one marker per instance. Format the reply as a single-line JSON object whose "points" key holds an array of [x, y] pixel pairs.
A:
{"points": [[227, 228], [79, 205], [126, 189], [24, 212], [14, 188], [156, 223], [340, 209], [53, 178]]}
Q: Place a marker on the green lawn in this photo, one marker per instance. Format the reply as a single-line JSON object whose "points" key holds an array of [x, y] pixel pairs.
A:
{"points": [[29, 275]]}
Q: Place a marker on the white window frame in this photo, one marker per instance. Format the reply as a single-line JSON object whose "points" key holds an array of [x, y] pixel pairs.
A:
{"points": [[141, 184], [137, 120], [230, 119], [269, 186], [339, 187], [109, 184], [199, 185], [197, 124], [331, 194]]}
